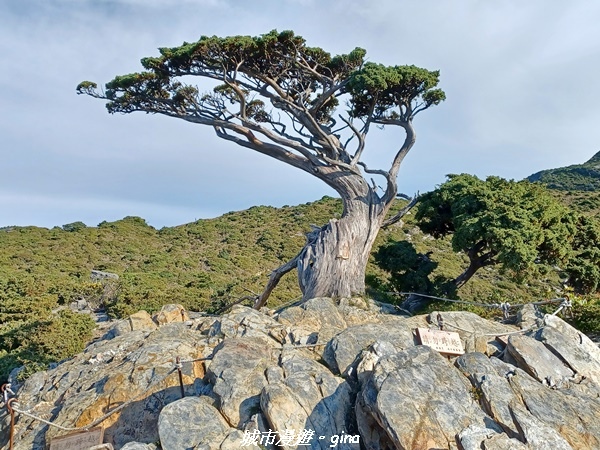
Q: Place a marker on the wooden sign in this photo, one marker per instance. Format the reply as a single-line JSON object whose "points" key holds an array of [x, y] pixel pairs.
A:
{"points": [[447, 342], [81, 440]]}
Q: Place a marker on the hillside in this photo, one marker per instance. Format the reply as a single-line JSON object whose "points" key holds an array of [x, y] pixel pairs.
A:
{"points": [[203, 265], [577, 185], [577, 177]]}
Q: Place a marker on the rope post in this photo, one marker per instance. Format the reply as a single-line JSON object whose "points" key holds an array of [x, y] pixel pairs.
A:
{"points": [[440, 322], [4, 391], [568, 307], [505, 307], [12, 421], [179, 366]]}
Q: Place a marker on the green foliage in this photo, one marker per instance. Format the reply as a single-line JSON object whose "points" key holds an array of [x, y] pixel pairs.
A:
{"points": [[514, 224], [586, 314], [281, 61], [30, 333], [75, 226], [409, 270], [583, 267], [383, 88]]}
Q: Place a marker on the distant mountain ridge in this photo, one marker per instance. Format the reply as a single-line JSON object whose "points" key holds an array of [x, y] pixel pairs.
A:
{"points": [[577, 177]]}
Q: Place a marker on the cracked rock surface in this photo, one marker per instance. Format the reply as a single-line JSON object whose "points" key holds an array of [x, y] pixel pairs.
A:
{"points": [[346, 374]]}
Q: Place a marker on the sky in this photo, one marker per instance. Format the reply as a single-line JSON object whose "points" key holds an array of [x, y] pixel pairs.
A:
{"points": [[521, 78]]}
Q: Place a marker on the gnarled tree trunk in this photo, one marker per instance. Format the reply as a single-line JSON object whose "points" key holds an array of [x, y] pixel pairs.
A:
{"points": [[334, 260], [333, 264]]}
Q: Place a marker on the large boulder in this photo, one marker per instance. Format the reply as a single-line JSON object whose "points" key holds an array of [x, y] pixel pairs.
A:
{"points": [[191, 422], [134, 371], [309, 397], [435, 399], [237, 374]]}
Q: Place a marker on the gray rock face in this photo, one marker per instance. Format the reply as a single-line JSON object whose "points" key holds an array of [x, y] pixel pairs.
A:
{"points": [[190, 423], [371, 386], [342, 351], [237, 373], [311, 398], [436, 400], [247, 322], [534, 358], [579, 352], [136, 368], [138, 446]]}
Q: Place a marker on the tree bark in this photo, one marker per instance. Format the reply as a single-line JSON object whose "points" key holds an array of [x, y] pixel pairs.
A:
{"points": [[334, 261], [466, 275], [477, 261]]}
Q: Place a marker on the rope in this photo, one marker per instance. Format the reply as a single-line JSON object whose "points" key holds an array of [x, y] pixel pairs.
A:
{"points": [[503, 306], [525, 330]]}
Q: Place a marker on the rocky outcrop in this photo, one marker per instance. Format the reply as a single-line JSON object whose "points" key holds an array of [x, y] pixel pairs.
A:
{"points": [[348, 375]]}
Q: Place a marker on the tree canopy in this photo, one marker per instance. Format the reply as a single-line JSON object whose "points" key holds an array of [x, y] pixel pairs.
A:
{"points": [[264, 80], [278, 96], [514, 224], [584, 266]]}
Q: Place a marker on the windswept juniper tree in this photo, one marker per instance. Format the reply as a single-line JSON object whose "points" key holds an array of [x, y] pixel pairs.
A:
{"points": [[279, 97]]}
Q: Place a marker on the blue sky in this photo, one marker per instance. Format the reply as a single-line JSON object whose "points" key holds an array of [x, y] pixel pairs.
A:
{"points": [[522, 81]]}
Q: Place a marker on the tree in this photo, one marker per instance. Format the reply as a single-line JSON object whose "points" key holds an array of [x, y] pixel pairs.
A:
{"points": [[409, 270], [279, 97], [514, 224], [583, 267]]}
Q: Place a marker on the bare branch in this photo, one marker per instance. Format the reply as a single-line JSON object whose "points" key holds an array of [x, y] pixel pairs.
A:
{"points": [[400, 214], [274, 278]]}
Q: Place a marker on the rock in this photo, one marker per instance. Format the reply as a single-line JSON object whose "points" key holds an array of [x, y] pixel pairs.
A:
{"points": [[505, 389], [319, 317], [558, 409], [529, 316], [98, 275], [237, 373], [477, 437], [342, 352], [475, 332], [233, 441], [309, 398], [258, 423], [537, 435], [264, 382], [369, 358], [247, 322], [539, 362], [141, 320], [572, 346], [358, 311], [136, 369], [171, 313], [372, 434], [118, 328], [488, 377], [436, 400], [191, 422], [503, 442]]}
